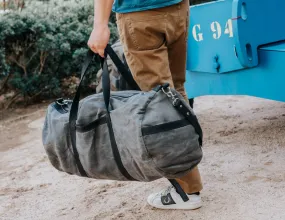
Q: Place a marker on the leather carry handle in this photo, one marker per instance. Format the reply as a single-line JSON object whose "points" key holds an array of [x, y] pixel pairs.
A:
{"points": [[73, 116], [127, 75], [106, 93]]}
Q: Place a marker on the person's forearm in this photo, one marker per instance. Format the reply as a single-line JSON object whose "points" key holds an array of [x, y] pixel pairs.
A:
{"points": [[100, 34], [102, 11]]}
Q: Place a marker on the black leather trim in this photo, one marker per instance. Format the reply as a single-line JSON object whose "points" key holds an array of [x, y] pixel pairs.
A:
{"points": [[164, 127]]}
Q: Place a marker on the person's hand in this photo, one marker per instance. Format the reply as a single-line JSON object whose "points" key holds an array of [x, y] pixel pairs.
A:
{"points": [[99, 38]]}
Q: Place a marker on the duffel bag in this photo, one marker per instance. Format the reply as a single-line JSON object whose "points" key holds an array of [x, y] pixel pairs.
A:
{"points": [[123, 135]]}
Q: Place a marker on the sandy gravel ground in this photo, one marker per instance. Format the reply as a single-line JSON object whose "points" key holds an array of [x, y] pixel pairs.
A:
{"points": [[243, 170]]}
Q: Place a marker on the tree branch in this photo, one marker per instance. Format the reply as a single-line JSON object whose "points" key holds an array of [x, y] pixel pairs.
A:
{"points": [[43, 58], [19, 64], [13, 99], [32, 57], [37, 94], [2, 88]]}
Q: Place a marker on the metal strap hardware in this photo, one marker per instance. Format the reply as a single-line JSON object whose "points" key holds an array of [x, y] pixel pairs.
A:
{"points": [[167, 91]]}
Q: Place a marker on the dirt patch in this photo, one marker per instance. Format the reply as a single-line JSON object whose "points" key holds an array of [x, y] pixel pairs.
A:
{"points": [[14, 125], [242, 170]]}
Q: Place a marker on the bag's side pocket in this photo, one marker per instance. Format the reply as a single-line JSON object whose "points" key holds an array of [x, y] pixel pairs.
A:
{"points": [[173, 146]]}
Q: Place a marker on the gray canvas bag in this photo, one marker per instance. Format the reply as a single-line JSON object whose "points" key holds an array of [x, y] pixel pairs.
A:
{"points": [[123, 135]]}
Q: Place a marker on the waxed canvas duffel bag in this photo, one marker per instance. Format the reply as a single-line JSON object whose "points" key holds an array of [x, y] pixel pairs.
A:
{"points": [[123, 135]]}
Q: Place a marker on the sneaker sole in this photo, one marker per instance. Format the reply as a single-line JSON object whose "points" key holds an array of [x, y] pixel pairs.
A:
{"points": [[184, 206]]}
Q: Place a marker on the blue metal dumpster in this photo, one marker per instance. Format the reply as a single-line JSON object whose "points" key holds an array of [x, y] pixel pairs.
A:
{"points": [[237, 47]]}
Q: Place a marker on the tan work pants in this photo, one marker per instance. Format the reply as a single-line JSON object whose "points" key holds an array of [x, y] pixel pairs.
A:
{"points": [[155, 48]]}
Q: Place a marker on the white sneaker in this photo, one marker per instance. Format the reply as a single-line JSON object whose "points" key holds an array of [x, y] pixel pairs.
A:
{"points": [[170, 199]]}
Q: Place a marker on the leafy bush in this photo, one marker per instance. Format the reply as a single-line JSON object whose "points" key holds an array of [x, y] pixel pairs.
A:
{"points": [[44, 44]]}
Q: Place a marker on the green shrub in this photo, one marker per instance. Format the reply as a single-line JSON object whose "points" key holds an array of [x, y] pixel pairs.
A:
{"points": [[44, 44]]}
